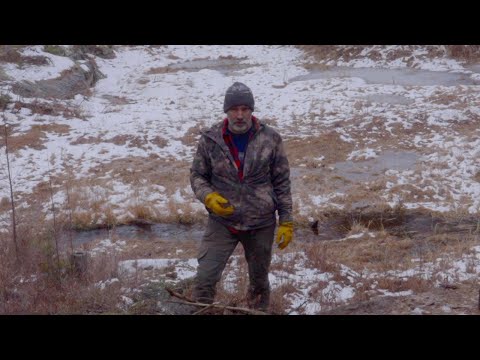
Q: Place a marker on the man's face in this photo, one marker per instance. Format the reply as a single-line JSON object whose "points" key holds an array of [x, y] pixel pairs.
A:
{"points": [[239, 119]]}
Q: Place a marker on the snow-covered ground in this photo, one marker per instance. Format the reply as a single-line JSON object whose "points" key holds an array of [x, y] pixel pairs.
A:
{"points": [[137, 111], [416, 145]]}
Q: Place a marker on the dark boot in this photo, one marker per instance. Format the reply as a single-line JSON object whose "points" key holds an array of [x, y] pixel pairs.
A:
{"points": [[258, 300]]}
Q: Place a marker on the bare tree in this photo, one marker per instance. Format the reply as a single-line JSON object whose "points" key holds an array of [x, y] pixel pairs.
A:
{"points": [[69, 206], [12, 200], [55, 237]]}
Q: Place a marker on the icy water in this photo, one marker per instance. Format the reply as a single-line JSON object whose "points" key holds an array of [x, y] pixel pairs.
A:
{"points": [[367, 170], [333, 226], [404, 77], [412, 224], [164, 232]]}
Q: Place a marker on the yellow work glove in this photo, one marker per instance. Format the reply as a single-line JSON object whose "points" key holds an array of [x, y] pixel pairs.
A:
{"points": [[215, 202], [285, 231]]}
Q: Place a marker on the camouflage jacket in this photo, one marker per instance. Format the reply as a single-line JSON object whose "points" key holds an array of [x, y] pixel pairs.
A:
{"points": [[265, 186]]}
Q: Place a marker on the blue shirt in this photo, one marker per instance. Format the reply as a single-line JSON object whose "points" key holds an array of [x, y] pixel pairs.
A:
{"points": [[241, 142]]}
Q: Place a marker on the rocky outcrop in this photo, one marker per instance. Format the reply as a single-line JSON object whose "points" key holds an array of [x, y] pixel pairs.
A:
{"points": [[81, 52], [77, 80]]}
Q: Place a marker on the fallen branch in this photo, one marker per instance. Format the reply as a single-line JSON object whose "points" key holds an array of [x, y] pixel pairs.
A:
{"points": [[202, 310], [298, 307], [178, 295], [187, 301]]}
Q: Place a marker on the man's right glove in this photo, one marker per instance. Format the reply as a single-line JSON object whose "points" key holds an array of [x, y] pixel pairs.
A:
{"points": [[285, 231], [214, 201]]}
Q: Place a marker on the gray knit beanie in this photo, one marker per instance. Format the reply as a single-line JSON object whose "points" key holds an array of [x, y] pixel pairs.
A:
{"points": [[238, 94]]}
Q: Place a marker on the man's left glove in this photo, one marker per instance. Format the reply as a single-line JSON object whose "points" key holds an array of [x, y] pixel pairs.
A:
{"points": [[285, 231]]}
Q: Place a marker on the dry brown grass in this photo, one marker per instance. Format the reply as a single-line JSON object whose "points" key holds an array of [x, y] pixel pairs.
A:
{"points": [[142, 212], [51, 108], [35, 137], [415, 284], [328, 145], [181, 213], [90, 197], [162, 70], [85, 220], [118, 100], [87, 140], [318, 257], [12, 54], [278, 302], [39, 284], [159, 141], [120, 140], [379, 253], [237, 297], [444, 98], [324, 53], [173, 68], [131, 140], [477, 176], [192, 134], [69, 296], [5, 99], [468, 53], [152, 170], [411, 193]]}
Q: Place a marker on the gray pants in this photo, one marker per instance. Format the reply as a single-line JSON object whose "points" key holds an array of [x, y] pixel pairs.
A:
{"points": [[217, 246]]}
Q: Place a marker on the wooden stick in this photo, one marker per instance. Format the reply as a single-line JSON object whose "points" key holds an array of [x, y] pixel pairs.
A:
{"points": [[220, 306], [187, 301], [202, 310], [178, 295]]}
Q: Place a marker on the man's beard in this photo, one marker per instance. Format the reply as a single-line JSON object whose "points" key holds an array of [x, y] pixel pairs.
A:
{"points": [[241, 127]]}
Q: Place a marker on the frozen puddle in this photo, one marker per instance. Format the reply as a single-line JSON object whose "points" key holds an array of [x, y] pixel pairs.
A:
{"points": [[404, 77], [367, 170], [165, 232]]}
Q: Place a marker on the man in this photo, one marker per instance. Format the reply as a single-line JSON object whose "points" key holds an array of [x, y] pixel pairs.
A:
{"points": [[241, 173]]}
